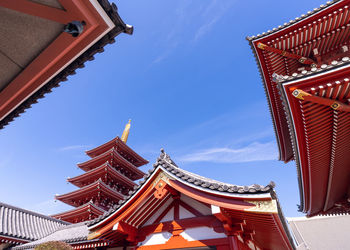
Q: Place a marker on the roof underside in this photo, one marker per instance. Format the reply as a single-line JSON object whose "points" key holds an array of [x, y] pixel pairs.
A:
{"points": [[23, 25], [85, 212], [114, 158], [94, 191], [16, 32], [326, 28], [321, 136]]}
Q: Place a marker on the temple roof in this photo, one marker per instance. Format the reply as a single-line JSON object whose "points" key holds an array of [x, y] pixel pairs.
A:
{"points": [[166, 164], [99, 172], [47, 38], [322, 233], [114, 158], [117, 142], [89, 191], [84, 210], [75, 233], [26, 225]]}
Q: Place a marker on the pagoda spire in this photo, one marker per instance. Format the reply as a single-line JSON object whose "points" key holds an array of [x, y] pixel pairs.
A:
{"points": [[126, 131]]}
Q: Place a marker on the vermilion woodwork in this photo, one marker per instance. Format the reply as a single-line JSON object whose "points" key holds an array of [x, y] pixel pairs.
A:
{"points": [[56, 55], [233, 218], [39, 10]]}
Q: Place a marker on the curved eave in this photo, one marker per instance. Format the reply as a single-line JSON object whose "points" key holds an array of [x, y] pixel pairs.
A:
{"points": [[107, 156], [138, 160], [329, 74], [99, 172], [139, 174], [63, 56], [89, 191], [86, 209], [237, 199], [96, 161], [280, 138]]}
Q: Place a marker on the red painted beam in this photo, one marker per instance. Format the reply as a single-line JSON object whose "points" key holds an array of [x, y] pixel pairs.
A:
{"points": [[38, 10]]}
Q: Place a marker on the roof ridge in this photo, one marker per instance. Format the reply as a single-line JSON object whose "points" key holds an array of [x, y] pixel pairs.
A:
{"points": [[205, 182], [295, 20]]}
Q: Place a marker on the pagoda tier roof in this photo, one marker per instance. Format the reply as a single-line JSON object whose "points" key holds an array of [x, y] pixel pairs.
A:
{"points": [[18, 225], [114, 158], [89, 192], [99, 173], [318, 35], [255, 205], [116, 142], [85, 212], [49, 54], [317, 111]]}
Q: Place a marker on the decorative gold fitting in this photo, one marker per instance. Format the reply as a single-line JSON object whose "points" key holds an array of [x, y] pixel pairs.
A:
{"points": [[284, 53], [335, 105], [298, 93], [261, 46], [302, 59], [93, 235]]}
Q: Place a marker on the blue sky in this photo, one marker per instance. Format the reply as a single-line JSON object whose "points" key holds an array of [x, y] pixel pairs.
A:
{"points": [[187, 79]]}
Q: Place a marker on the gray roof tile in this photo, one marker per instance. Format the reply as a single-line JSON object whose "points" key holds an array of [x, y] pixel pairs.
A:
{"points": [[26, 225], [69, 233]]}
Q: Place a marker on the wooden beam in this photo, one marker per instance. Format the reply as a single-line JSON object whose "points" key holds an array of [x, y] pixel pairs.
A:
{"points": [[336, 105], [38, 10]]}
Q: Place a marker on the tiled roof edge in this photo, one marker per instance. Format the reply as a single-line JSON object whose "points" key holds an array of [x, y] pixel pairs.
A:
{"points": [[34, 213], [267, 98], [291, 22], [313, 71], [164, 161]]}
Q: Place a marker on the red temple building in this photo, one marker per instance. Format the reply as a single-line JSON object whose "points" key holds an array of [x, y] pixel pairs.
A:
{"points": [[109, 176], [176, 209], [305, 67]]}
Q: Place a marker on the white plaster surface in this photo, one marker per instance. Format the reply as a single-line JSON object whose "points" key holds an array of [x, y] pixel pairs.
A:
{"points": [[196, 205], [169, 216], [201, 233], [156, 239], [184, 213]]}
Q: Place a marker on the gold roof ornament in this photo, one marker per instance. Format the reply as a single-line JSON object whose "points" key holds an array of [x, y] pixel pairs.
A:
{"points": [[125, 134]]}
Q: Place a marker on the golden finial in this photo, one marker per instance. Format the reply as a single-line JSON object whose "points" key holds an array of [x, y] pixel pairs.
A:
{"points": [[126, 132]]}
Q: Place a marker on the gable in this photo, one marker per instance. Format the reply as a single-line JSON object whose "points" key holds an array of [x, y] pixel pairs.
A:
{"points": [[181, 207]]}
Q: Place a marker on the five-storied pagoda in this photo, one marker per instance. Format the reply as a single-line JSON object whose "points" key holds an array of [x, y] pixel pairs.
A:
{"points": [[108, 178]]}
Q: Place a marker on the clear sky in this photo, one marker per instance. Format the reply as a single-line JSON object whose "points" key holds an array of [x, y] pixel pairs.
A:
{"points": [[188, 80]]}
